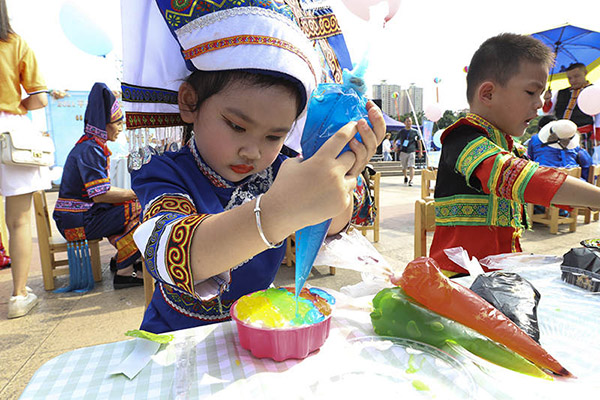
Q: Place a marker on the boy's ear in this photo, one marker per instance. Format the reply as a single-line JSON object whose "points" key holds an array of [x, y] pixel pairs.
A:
{"points": [[187, 98], [485, 92]]}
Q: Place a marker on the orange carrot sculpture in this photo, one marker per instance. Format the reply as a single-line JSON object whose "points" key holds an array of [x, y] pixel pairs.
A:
{"points": [[423, 281]]}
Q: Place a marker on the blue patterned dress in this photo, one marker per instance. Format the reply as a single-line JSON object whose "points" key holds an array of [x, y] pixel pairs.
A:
{"points": [[177, 192]]}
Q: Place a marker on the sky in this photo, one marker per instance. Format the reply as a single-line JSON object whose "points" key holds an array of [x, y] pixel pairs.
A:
{"points": [[424, 40]]}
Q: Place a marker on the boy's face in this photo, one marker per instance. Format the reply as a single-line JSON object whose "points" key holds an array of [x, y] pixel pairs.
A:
{"points": [[576, 78], [515, 104], [240, 130]]}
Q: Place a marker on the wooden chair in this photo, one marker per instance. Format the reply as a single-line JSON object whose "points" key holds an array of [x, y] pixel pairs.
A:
{"points": [[3, 229], [374, 182], [594, 179], [50, 245], [424, 222], [290, 253], [428, 175], [149, 285], [551, 216]]}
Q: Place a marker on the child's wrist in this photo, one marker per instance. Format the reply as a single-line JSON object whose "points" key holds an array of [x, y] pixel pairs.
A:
{"points": [[273, 224], [258, 218]]}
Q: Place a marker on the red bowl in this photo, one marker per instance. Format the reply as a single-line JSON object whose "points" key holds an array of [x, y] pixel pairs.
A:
{"points": [[281, 344]]}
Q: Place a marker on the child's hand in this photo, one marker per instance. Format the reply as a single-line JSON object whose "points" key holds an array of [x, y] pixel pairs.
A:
{"points": [[321, 187], [371, 138]]}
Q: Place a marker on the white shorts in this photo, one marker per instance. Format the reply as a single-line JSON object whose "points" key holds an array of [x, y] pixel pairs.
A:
{"points": [[16, 180], [407, 159]]}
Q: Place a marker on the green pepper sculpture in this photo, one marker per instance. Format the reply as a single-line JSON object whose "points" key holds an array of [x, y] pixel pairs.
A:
{"points": [[398, 315]]}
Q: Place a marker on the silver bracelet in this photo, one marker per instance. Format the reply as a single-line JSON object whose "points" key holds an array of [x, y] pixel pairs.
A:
{"points": [[259, 225]]}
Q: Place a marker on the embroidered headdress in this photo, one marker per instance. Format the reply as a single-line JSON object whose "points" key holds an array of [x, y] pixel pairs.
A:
{"points": [[102, 108], [165, 40], [561, 134]]}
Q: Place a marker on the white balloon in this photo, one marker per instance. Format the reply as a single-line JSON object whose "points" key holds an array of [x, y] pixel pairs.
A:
{"points": [[433, 112], [437, 138], [589, 100]]}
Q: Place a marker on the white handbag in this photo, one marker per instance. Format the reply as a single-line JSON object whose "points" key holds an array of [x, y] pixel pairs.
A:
{"points": [[24, 148]]}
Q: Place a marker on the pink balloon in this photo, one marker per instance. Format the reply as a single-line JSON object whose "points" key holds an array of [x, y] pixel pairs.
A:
{"points": [[589, 100], [360, 8], [433, 112]]}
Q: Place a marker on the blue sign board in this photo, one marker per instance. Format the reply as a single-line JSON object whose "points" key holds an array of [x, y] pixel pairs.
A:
{"points": [[64, 120]]}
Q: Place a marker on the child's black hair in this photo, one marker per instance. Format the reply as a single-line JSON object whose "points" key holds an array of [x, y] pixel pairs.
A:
{"points": [[576, 65], [545, 120], [209, 83], [499, 58]]}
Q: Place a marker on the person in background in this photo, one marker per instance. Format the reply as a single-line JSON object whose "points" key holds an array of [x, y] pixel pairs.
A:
{"points": [[557, 145], [88, 206], [483, 181], [408, 141], [564, 106], [19, 68], [386, 147]]}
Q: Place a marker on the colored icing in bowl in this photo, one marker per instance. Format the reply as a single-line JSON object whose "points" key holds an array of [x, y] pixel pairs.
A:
{"points": [[271, 328], [277, 308]]}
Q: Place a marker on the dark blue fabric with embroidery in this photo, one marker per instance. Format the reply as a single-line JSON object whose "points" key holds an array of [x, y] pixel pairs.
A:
{"points": [[183, 178]]}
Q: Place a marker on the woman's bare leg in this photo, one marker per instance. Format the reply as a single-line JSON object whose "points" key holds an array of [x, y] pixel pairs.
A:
{"points": [[18, 222]]}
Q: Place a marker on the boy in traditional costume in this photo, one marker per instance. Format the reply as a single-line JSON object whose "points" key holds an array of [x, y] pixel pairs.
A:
{"points": [[483, 182]]}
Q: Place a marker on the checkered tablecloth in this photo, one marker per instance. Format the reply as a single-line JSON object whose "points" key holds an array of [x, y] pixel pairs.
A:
{"points": [[199, 362], [210, 362]]}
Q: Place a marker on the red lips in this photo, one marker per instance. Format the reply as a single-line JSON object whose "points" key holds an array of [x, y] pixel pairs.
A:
{"points": [[241, 168]]}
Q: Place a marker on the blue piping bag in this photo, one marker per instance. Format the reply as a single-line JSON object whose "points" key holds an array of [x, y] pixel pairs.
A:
{"points": [[330, 107]]}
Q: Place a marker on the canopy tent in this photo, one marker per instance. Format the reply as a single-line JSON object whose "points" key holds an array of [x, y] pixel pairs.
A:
{"points": [[391, 124]]}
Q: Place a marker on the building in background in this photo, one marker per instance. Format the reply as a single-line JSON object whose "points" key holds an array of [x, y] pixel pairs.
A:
{"points": [[400, 105], [385, 92]]}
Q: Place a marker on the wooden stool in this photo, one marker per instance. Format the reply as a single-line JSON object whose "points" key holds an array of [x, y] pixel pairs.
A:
{"points": [[428, 175], [594, 179], [424, 222], [50, 245]]}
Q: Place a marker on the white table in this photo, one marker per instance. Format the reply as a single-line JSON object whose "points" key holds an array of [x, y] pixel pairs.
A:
{"points": [[209, 361]]}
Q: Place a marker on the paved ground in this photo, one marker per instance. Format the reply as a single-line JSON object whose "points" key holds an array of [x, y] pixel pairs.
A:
{"points": [[63, 322]]}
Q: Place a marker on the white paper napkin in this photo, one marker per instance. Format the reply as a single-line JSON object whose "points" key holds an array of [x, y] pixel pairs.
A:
{"points": [[137, 359]]}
